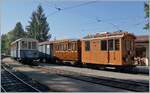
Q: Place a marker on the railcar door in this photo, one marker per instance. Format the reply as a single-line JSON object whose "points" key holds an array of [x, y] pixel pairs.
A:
{"points": [[104, 52], [113, 51], [95, 52]]}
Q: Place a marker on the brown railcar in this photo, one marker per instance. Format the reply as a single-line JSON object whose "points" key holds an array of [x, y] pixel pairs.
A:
{"points": [[111, 49], [67, 50]]}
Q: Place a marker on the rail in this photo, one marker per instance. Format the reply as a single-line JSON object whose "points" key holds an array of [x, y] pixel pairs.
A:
{"points": [[117, 83], [16, 77]]}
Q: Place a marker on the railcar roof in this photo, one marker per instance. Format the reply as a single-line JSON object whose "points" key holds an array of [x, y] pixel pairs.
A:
{"points": [[45, 42], [117, 34], [64, 40], [22, 39]]}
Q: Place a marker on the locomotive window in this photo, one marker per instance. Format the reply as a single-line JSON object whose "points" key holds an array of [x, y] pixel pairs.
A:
{"points": [[87, 45], [103, 45], [33, 45], [69, 46], [117, 44], [110, 44], [24, 44], [29, 45], [75, 46]]}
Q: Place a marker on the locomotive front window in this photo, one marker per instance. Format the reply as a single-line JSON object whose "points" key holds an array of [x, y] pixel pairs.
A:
{"points": [[103, 45], [87, 45]]}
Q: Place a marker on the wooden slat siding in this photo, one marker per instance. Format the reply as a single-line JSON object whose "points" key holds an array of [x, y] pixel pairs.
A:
{"points": [[68, 55], [96, 56]]}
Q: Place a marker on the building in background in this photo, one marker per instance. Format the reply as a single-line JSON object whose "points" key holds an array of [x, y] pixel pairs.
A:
{"points": [[142, 49]]}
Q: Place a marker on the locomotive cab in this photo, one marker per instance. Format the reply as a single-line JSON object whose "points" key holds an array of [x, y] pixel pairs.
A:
{"points": [[109, 49]]}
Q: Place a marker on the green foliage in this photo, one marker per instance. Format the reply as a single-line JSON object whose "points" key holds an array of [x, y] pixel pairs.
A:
{"points": [[146, 9], [4, 43], [11, 36], [17, 32], [38, 27]]}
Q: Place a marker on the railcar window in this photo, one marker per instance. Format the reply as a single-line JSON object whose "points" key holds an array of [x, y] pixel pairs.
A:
{"points": [[103, 44], [24, 44], [61, 47], [127, 45], [117, 44], [57, 47], [87, 45], [29, 45], [65, 47], [110, 44], [75, 46], [132, 45], [34, 45], [40, 48], [69, 46]]}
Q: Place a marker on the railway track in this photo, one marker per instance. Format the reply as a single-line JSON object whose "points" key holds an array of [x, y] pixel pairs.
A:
{"points": [[134, 70], [12, 81], [112, 82]]}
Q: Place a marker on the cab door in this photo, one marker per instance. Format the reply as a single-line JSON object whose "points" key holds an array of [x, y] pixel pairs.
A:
{"points": [[104, 52], [113, 51]]}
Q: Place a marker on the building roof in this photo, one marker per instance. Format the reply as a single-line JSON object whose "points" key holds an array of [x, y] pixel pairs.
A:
{"points": [[142, 38]]}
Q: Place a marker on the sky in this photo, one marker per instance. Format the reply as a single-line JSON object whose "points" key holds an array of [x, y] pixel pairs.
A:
{"points": [[79, 17]]}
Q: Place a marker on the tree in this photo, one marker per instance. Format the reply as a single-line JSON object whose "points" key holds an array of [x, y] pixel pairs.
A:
{"points": [[11, 36], [17, 32], [146, 9], [38, 27], [4, 45]]}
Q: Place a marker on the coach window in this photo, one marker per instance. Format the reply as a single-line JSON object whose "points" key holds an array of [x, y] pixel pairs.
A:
{"points": [[75, 46], [117, 44], [29, 45], [57, 47], [60, 47], [64, 47], [110, 44], [87, 45], [103, 44], [24, 44], [33, 45], [69, 46]]}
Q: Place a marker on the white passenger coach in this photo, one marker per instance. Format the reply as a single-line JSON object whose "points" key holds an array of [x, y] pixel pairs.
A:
{"points": [[24, 49]]}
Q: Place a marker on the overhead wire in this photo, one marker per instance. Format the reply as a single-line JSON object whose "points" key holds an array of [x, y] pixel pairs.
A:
{"points": [[59, 9], [70, 7]]}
